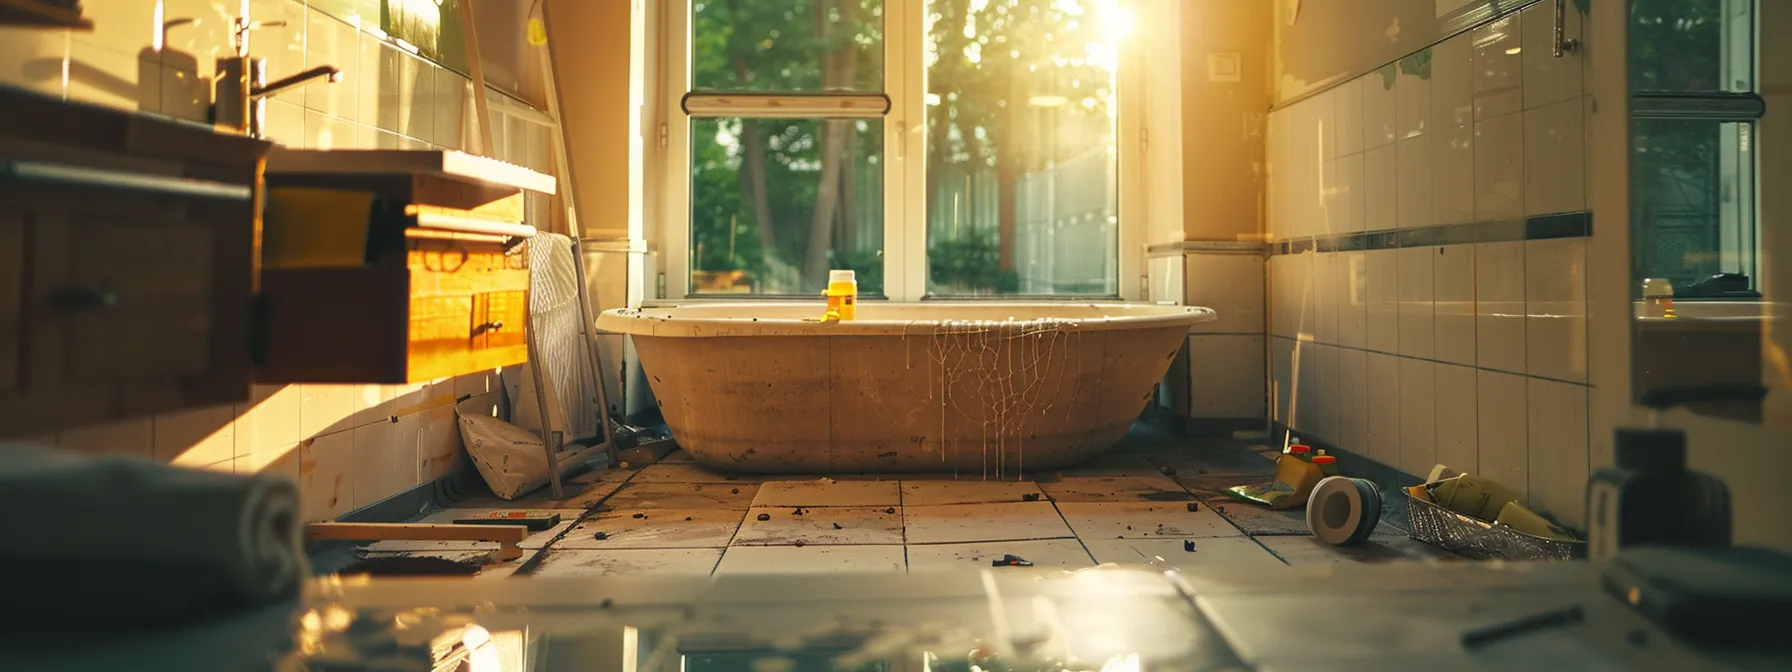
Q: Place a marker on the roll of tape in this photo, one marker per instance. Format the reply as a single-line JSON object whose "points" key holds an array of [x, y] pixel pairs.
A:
{"points": [[1344, 511]]}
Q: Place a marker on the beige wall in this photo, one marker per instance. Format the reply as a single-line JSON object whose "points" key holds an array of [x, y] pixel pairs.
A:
{"points": [[593, 49], [1329, 41], [1223, 120], [348, 445]]}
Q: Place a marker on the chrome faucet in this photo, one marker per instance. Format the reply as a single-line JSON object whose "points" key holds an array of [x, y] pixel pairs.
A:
{"points": [[239, 102]]}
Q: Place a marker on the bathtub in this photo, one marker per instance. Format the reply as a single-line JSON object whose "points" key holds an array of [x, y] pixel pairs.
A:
{"points": [[996, 389]]}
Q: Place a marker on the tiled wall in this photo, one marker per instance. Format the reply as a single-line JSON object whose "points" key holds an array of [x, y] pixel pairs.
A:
{"points": [[349, 445], [1458, 334]]}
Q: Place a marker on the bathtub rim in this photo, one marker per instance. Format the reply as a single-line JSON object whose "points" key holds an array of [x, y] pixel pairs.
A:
{"points": [[642, 322]]}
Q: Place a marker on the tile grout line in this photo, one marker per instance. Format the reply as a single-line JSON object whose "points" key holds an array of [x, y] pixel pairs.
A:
{"points": [[535, 561], [1233, 523]]}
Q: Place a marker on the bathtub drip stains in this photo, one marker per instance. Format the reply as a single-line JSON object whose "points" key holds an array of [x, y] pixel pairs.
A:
{"points": [[999, 376]]}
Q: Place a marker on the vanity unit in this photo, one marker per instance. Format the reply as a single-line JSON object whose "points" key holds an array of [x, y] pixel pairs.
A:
{"points": [[128, 263], [393, 266]]}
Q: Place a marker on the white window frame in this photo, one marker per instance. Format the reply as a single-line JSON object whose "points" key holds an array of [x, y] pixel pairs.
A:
{"points": [[904, 156]]}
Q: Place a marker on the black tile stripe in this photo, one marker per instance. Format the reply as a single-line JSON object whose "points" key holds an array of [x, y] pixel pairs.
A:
{"points": [[1541, 227]]}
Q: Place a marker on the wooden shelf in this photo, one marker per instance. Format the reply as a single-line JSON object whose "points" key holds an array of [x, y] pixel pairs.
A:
{"points": [[40, 15]]}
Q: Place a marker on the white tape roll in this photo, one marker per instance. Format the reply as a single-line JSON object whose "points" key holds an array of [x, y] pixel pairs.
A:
{"points": [[1344, 511]]}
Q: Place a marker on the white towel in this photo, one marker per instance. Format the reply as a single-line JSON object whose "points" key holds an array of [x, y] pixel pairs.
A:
{"points": [[132, 532]]}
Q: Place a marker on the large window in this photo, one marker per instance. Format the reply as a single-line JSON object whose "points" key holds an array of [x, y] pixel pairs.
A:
{"points": [[1692, 65], [939, 148]]}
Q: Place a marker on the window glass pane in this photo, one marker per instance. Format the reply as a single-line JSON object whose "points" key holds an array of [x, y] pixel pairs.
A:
{"points": [[1693, 185], [1692, 45], [787, 46], [1021, 162], [433, 26], [776, 203]]}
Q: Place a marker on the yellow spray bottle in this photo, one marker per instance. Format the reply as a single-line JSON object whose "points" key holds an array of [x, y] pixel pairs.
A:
{"points": [[843, 295]]}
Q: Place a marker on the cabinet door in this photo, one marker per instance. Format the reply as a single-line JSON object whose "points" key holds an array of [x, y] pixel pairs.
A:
{"points": [[12, 299]]}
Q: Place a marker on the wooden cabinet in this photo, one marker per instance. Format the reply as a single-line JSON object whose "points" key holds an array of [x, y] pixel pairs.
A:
{"points": [[127, 264], [443, 286]]}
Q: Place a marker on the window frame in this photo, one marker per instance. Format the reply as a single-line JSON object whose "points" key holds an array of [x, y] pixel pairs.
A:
{"points": [[904, 157]]}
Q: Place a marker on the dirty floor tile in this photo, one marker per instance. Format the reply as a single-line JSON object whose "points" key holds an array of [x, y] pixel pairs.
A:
{"points": [[1221, 552], [561, 562], [582, 491], [1149, 488], [677, 457], [950, 523], [688, 473], [1384, 545], [1144, 520], [1111, 465], [718, 496], [930, 493], [811, 559], [1259, 520], [653, 528], [534, 540], [821, 526], [1067, 553], [1225, 461], [828, 492]]}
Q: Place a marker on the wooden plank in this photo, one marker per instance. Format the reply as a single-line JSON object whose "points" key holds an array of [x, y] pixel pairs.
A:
{"points": [[507, 536], [447, 163], [482, 136]]}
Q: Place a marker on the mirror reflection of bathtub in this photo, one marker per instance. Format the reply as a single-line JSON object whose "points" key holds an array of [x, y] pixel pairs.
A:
{"points": [[997, 389], [1705, 343]]}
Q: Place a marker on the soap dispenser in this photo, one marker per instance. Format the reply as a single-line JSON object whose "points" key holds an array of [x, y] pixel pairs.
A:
{"points": [[1649, 497]]}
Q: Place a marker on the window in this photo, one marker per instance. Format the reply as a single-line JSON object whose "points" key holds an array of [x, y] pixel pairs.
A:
{"points": [[791, 150], [1693, 216]]}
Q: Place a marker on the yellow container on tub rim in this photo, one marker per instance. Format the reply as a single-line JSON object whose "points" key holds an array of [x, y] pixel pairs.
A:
{"points": [[843, 294]]}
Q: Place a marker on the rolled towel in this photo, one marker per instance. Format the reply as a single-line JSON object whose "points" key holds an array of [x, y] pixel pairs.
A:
{"points": [[118, 533]]}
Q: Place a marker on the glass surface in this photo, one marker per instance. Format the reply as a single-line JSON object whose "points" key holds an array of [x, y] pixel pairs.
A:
{"points": [[1693, 206], [432, 26], [1022, 175], [1691, 45], [776, 203], [787, 46]]}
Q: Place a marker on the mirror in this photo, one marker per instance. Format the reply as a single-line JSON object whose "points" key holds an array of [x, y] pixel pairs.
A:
{"points": [[1700, 190]]}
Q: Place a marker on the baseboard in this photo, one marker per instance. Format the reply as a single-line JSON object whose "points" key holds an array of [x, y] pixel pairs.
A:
{"points": [[1222, 427]]}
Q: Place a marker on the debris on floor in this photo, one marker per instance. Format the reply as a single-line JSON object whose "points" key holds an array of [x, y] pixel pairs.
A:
{"points": [[1481, 517], [1344, 511], [1010, 560], [413, 565], [1296, 475]]}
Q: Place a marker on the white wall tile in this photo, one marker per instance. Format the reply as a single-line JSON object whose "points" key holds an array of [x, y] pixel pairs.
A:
{"points": [[326, 476], [1418, 416], [1381, 115], [327, 409], [1457, 427], [323, 131], [1499, 168], [1166, 280], [185, 94], [282, 45], [1504, 434], [1383, 399], [387, 458], [1500, 306], [407, 94], [1412, 95], [124, 26], [1384, 300], [1380, 177], [1555, 168], [1352, 286], [452, 99], [199, 437], [1277, 177], [1555, 285], [1232, 285], [1353, 401], [1453, 175], [1416, 271], [1413, 193], [32, 59], [1548, 78], [1558, 449], [1281, 377], [1322, 120], [128, 80], [1349, 197], [1306, 393], [269, 420], [285, 123], [329, 41], [1226, 376], [1325, 297], [1307, 292], [1325, 391], [1348, 106], [1499, 69], [1453, 82], [208, 38], [1453, 296]]}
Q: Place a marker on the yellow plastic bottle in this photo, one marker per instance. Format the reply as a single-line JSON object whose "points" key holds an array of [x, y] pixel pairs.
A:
{"points": [[843, 295]]}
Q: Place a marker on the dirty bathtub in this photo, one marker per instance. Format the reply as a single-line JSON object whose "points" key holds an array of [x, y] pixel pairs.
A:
{"points": [[990, 389]]}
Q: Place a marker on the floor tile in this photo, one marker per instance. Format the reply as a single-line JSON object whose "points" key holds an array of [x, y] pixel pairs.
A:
{"points": [[579, 492], [1241, 459], [1153, 488], [491, 570], [811, 559], [1112, 464], [1254, 519], [1143, 520], [828, 492], [677, 457], [930, 493], [654, 528], [534, 540], [716, 496], [821, 526], [923, 558], [561, 562], [983, 522], [1223, 552], [1384, 545], [689, 473]]}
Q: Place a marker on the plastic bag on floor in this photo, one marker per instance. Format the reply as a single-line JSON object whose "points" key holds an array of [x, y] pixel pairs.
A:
{"points": [[511, 459]]}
